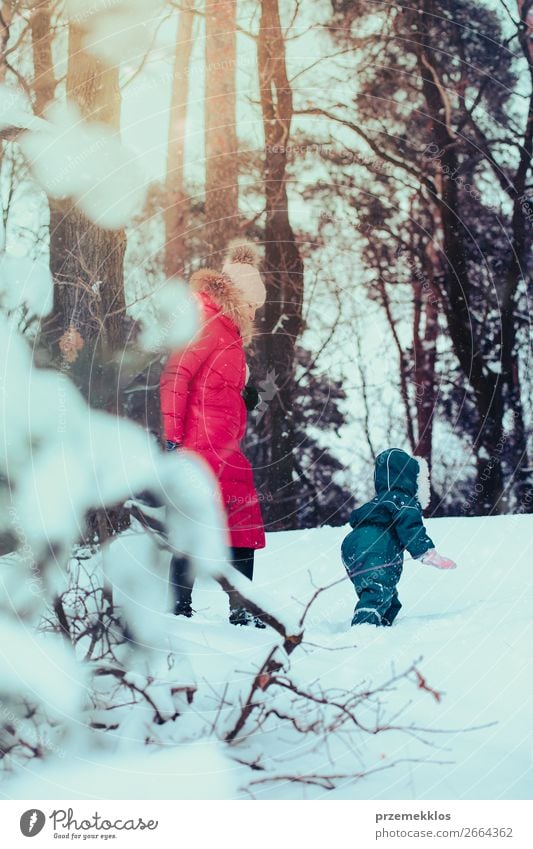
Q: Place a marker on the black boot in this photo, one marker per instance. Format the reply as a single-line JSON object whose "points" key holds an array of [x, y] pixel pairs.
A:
{"points": [[183, 608], [241, 616], [181, 586], [243, 560]]}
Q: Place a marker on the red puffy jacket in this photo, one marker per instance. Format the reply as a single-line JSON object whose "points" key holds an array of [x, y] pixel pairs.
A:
{"points": [[203, 410]]}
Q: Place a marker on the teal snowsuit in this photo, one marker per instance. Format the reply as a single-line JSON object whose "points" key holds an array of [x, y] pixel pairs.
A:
{"points": [[382, 529]]}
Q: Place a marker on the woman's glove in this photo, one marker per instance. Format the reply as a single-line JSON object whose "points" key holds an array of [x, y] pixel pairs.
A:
{"points": [[251, 397], [433, 558]]}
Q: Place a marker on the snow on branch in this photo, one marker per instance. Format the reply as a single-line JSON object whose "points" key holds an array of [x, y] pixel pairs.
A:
{"points": [[116, 30], [25, 282], [86, 162], [77, 159]]}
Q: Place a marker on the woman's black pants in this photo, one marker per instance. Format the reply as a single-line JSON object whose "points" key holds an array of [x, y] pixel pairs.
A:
{"points": [[182, 581]]}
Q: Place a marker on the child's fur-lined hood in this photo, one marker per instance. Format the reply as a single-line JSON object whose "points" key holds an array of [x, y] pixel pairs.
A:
{"points": [[396, 469], [220, 289]]}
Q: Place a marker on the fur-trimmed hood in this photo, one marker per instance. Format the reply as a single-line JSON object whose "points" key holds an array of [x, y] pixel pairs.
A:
{"points": [[220, 289], [423, 482], [396, 469]]}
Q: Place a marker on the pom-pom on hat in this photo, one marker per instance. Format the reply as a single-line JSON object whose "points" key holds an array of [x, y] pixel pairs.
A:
{"points": [[241, 266]]}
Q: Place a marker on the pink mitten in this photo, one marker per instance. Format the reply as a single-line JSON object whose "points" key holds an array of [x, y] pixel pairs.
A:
{"points": [[433, 558]]}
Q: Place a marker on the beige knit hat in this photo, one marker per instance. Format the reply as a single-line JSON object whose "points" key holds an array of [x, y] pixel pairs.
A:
{"points": [[241, 266]]}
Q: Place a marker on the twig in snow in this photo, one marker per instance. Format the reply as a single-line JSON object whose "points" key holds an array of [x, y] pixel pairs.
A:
{"points": [[327, 782]]}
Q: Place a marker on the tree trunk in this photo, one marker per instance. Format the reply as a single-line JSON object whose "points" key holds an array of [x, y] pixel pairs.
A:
{"points": [[486, 385], [404, 365], [86, 329], [44, 80], [517, 272], [283, 269], [221, 169], [87, 324], [525, 9], [425, 334], [176, 209], [5, 22]]}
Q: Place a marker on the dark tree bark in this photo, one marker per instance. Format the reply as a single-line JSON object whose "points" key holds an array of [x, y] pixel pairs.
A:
{"points": [[283, 269], [221, 171], [425, 333], [517, 270], [487, 385], [87, 328], [176, 210], [403, 363], [416, 368], [87, 324]]}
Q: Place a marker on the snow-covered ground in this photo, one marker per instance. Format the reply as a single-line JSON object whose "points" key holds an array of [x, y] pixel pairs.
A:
{"points": [[469, 629]]}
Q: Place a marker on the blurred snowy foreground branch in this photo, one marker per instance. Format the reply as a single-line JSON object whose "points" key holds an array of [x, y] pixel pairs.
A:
{"points": [[73, 158]]}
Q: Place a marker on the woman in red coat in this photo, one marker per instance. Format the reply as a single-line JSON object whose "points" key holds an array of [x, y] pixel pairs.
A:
{"points": [[203, 408]]}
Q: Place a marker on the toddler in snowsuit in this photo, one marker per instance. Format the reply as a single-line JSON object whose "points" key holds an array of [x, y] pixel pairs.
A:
{"points": [[382, 529]]}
